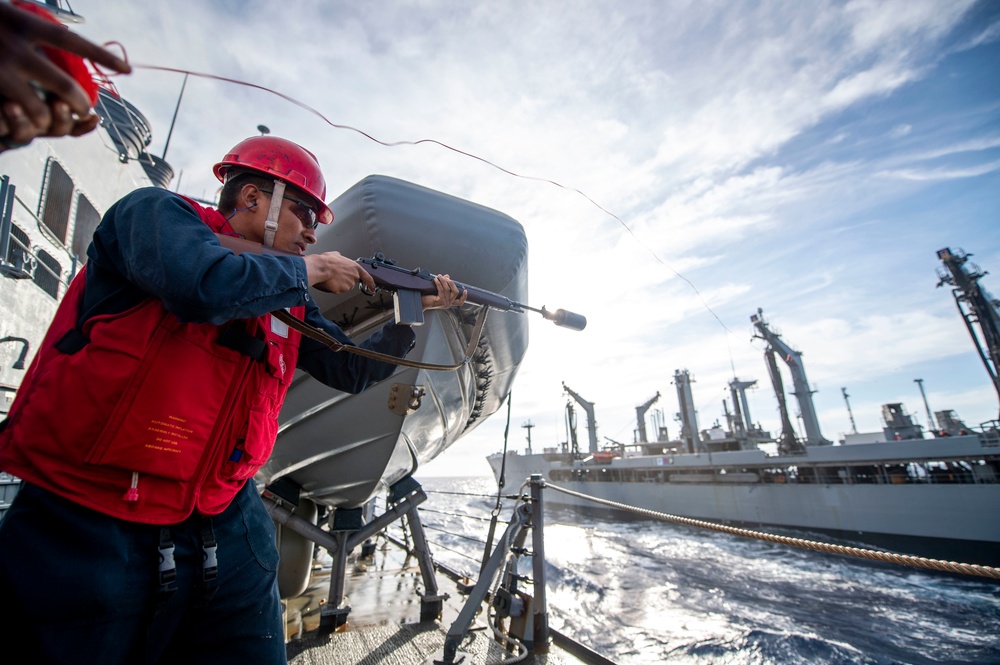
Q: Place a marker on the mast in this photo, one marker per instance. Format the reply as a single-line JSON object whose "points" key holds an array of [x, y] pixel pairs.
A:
{"points": [[528, 425], [802, 392], [976, 306], [591, 420], [640, 416]]}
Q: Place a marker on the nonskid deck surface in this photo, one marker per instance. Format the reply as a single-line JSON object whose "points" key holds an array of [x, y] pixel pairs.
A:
{"points": [[383, 625], [409, 644]]}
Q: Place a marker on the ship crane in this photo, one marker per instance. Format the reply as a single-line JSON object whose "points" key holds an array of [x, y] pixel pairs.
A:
{"points": [[688, 415], [591, 420], [742, 422], [640, 416], [574, 445], [793, 359], [854, 428], [787, 442], [976, 306]]}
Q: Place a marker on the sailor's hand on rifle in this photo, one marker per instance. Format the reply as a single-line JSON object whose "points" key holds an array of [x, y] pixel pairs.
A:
{"points": [[334, 273], [447, 295]]}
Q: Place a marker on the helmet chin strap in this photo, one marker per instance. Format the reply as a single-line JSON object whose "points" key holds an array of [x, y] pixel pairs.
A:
{"points": [[271, 223]]}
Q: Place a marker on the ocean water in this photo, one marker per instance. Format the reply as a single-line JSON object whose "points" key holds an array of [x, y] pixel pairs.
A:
{"points": [[651, 592]]}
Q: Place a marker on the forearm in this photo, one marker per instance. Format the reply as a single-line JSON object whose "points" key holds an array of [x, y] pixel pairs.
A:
{"points": [[350, 372]]}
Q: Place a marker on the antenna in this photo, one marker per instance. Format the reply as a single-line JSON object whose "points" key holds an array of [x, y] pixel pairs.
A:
{"points": [[528, 425], [174, 119]]}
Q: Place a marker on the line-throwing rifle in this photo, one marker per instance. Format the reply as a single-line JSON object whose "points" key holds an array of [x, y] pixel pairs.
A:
{"points": [[407, 286], [413, 284]]}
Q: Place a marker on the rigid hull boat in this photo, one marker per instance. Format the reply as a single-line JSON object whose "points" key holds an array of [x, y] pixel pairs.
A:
{"points": [[340, 449]]}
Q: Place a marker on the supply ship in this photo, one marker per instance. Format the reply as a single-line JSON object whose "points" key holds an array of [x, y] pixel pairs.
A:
{"points": [[927, 494]]}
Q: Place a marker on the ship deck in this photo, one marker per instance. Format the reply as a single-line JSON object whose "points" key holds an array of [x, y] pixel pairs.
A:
{"points": [[384, 623]]}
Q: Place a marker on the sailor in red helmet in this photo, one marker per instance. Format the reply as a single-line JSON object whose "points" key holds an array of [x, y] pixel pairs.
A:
{"points": [[147, 410]]}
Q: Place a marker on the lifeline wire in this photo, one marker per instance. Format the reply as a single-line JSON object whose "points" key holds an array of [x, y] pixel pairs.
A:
{"points": [[391, 144]]}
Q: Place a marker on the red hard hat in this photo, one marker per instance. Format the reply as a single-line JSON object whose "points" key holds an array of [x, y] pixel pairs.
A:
{"points": [[282, 159]]}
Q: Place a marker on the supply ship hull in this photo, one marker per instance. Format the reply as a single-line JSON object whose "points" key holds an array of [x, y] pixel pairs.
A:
{"points": [[935, 498]]}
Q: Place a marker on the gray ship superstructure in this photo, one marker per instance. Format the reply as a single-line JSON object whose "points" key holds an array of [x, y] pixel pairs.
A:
{"points": [[895, 489]]}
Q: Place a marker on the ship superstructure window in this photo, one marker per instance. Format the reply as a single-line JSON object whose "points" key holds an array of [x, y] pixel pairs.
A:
{"points": [[48, 273], [87, 219], [57, 200]]}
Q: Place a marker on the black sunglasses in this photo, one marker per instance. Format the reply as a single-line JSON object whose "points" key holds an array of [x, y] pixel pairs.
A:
{"points": [[303, 210]]}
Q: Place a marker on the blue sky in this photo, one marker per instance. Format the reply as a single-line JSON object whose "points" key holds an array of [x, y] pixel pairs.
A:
{"points": [[806, 158]]}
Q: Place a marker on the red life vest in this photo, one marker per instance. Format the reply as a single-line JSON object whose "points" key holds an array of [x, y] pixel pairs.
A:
{"points": [[151, 419]]}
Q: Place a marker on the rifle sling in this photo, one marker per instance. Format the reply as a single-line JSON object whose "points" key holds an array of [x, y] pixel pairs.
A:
{"points": [[336, 345]]}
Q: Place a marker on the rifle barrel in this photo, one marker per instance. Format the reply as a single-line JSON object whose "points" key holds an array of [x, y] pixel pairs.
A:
{"points": [[391, 277]]}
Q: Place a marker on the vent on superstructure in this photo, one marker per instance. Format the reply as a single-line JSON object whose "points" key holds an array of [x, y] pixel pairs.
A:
{"points": [[157, 169], [131, 133]]}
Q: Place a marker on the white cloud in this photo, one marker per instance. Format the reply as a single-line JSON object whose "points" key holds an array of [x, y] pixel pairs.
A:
{"points": [[943, 173], [878, 24]]}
